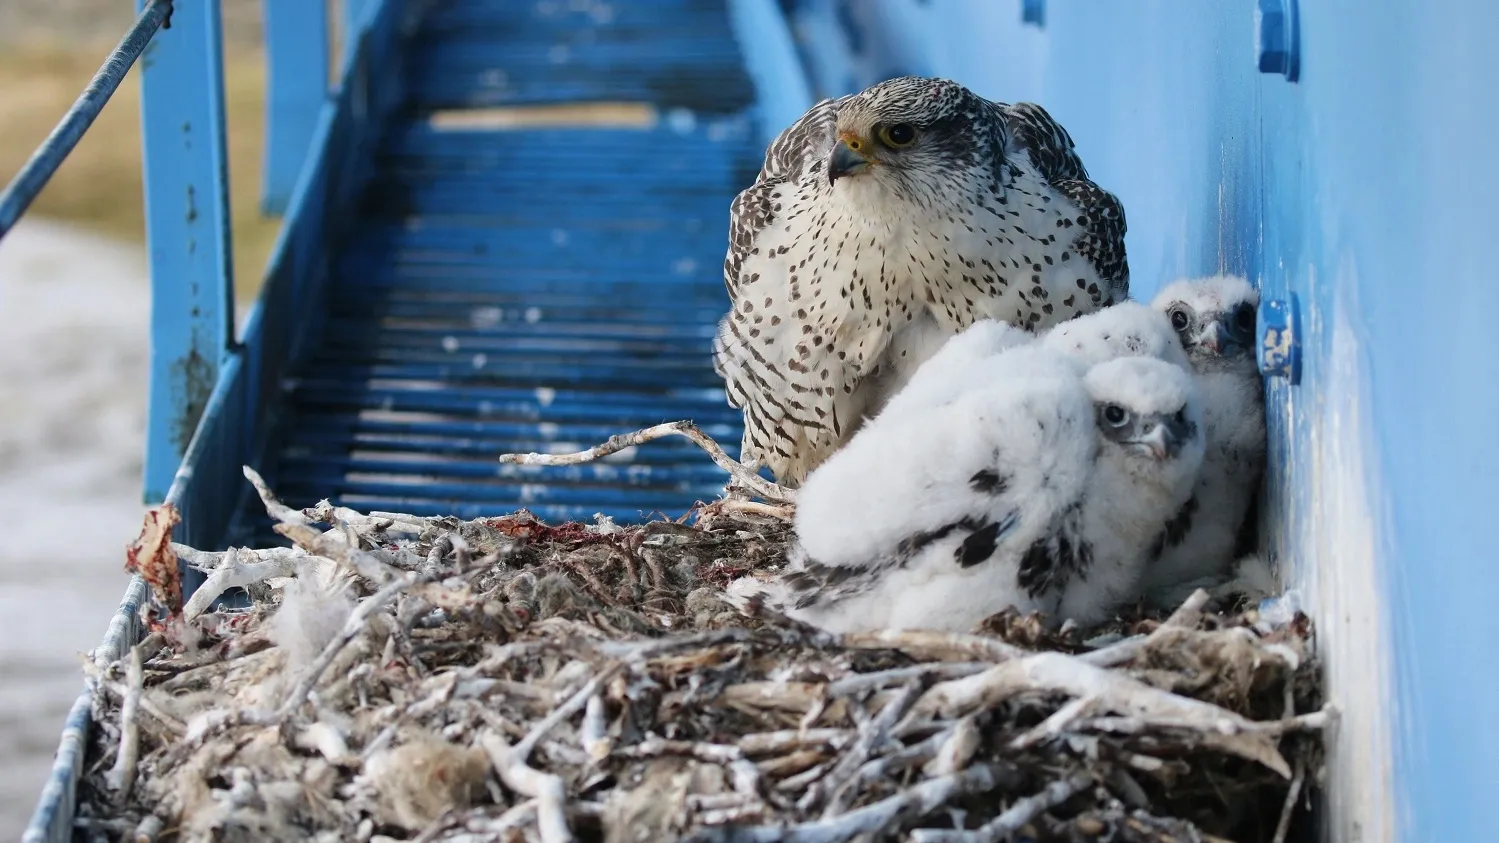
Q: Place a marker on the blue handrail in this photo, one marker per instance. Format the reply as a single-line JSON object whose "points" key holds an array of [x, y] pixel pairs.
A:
{"points": [[28, 183]]}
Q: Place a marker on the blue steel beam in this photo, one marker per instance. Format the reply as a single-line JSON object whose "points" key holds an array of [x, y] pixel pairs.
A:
{"points": [[33, 177], [187, 231], [296, 40], [352, 11], [771, 60]]}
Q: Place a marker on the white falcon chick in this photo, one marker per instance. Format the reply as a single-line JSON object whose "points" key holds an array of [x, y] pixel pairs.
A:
{"points": [[1151, 424], [1042, 490], [1128, 329], [1215, 319], [957, 367], [881, 224]]}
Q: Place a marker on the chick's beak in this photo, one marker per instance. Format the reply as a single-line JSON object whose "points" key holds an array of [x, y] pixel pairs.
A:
{"points": [[845, 162], [1213, 337], [1163, 440]]}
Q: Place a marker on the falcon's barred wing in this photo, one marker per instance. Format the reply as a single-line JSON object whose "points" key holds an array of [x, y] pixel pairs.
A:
{"points": [[752, 209], [1033, 129], [1051, 151], [1101, 240]]}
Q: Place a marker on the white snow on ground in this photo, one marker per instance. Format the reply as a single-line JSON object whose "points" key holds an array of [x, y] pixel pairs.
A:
{"points": [[74, 315]]}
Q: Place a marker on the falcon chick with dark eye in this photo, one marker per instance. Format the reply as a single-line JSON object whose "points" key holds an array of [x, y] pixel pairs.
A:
{"points": [[1215, 319]]}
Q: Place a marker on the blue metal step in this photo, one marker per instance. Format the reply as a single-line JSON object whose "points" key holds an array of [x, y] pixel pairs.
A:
{"points": [[534, 289], [674, 53]]}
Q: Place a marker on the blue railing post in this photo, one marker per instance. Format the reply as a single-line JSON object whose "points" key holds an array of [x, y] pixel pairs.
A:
{"points": [[187, 230], [296, 37]]}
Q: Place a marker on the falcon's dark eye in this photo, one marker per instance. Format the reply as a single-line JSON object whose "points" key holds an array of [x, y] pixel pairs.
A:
{"points": [[1115, 415], [898, 135], [1244, 318], [1179, 318]]}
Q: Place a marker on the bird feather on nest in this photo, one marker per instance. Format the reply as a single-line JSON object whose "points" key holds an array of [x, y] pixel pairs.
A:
{"points": [[404, 678]]}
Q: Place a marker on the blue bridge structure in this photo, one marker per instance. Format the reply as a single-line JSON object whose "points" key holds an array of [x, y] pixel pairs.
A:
{"points": [[472, 262]]}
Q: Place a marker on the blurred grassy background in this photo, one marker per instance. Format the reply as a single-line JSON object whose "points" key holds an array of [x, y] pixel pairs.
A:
{"points": [[49, 49]]}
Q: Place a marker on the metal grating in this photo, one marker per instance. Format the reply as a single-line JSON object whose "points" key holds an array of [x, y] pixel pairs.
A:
{"points": [[535, 289], [493, 52]]}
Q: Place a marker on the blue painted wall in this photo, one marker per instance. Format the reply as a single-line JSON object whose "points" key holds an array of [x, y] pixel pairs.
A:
{"points": [[1366, 189]]}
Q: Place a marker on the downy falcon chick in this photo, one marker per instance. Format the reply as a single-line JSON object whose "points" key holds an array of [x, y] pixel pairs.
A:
{"points": [[1041, 487], [883, 223], [1215, 319]]}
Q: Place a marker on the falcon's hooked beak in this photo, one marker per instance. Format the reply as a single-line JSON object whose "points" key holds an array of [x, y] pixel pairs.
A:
{"points": [[1223, 339], [1165, 438], [845, 161]]}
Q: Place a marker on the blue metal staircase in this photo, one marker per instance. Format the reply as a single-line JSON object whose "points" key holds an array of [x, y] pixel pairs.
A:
{"points": [[673, 53], [530, 289]]}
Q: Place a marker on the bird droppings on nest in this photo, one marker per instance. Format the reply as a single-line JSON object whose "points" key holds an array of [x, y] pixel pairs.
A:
{"points": [[405, 678]]}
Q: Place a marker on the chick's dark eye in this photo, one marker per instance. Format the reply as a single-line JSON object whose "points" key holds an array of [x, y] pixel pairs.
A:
{"points": [[1115, 415], [1179, 319], [900, 134]]}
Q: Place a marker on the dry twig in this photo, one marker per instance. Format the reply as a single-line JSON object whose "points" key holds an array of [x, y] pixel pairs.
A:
{"points": [[741, 474], [229, 570], [1283, 825], [546, 789], [883, 815], [127, 758], [1058, 673], [1014, 818]]}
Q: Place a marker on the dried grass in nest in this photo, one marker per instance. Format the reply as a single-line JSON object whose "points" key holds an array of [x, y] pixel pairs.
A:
{"points": [[502, 679]]}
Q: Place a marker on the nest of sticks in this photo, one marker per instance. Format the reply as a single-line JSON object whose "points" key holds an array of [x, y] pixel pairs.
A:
{"points": [[410, 678]]}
